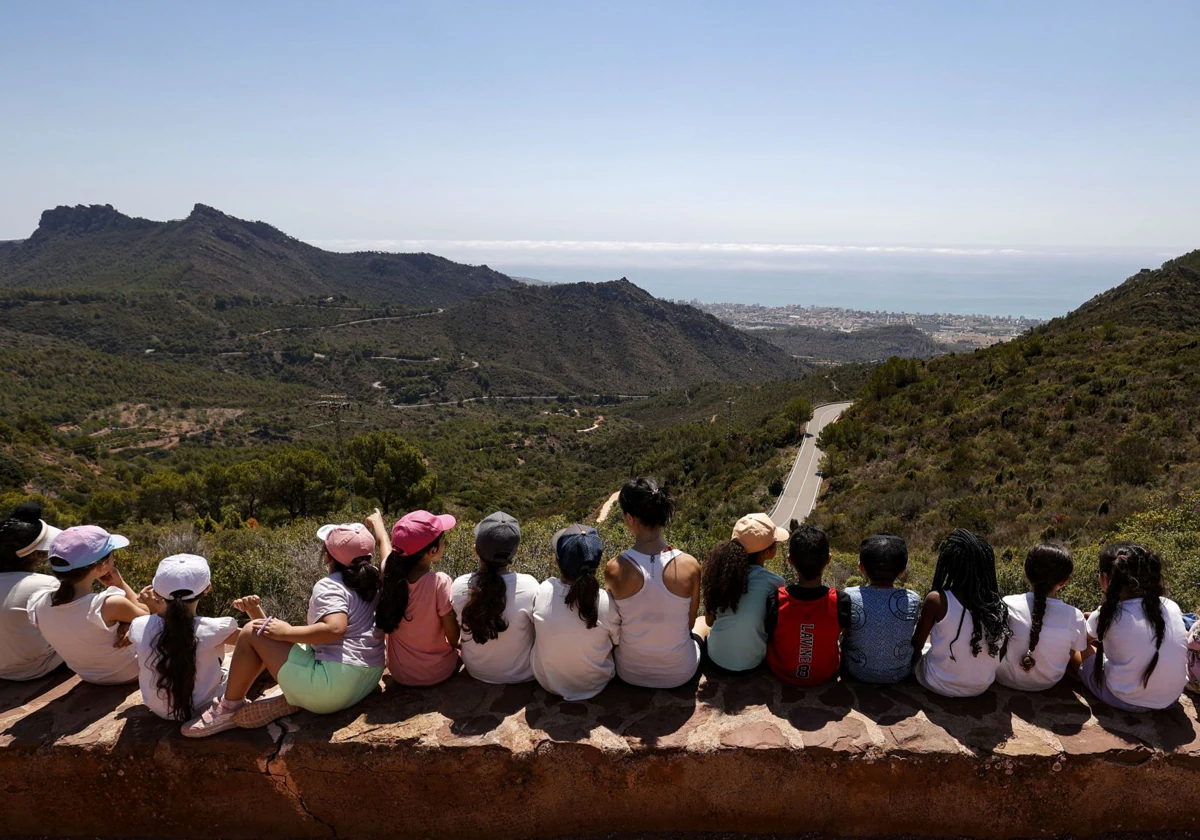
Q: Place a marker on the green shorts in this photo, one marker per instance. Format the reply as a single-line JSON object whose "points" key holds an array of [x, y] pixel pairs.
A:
{"points": [[324, 687]]}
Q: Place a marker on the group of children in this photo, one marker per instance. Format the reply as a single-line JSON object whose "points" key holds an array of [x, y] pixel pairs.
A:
{"points": [[569, 633]]}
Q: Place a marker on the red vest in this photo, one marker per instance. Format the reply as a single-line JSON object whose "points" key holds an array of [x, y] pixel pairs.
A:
{"points": [[804, 650]]}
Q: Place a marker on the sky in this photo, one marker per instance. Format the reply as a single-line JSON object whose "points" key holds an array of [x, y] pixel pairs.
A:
{"points": [[642, 128]]}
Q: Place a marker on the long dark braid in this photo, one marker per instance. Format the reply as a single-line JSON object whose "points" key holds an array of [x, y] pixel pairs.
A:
{"points": [[1138, 570], [966, 566], [1046, 566]]}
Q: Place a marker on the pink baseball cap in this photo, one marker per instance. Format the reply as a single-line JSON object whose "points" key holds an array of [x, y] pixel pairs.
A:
{"points": [[414, 531], [83, 546], [346, 543]]}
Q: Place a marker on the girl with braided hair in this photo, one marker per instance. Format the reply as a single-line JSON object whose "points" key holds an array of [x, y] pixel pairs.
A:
{"points": [[965, 597], [1046, 630], [1138, 661]]}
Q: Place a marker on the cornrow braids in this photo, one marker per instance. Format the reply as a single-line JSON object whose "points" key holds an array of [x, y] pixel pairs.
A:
{"points": [[966, 566], [1137, 570], [1046, 566]]}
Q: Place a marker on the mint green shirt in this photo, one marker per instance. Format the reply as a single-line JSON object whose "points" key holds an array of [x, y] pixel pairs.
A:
{"points": [[738, 640]]}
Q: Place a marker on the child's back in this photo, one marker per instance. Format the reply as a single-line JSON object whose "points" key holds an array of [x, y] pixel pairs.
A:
{"points": [[569, 658], [417, 650], [506, 658], [1129, 647], [79, 634], [24, 652], [1062, 631], [948, 666], [211, 635], [878, 644], [804, 624], [738, 638]]}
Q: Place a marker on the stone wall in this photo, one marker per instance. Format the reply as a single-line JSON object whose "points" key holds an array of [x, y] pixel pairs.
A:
{"points": [[727, 754]]}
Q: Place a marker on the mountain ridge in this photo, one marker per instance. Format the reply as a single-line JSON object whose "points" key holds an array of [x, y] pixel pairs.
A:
{"points": [[97, 248]]}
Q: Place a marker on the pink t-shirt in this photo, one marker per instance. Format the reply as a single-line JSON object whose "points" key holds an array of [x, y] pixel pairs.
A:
{"points": [[417, 651]]}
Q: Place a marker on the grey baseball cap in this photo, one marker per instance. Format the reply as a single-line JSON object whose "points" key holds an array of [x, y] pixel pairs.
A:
{"points": [[497, 537]]}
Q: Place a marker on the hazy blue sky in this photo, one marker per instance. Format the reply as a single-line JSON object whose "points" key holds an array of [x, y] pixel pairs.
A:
{"points": [[952, 123]]}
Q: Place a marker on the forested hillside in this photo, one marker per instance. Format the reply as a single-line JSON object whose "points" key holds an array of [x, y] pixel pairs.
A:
{"points": [[870, 345], [1061, 434]]}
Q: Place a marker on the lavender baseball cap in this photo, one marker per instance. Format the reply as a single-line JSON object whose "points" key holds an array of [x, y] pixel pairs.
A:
{"points": [[83, 545]]}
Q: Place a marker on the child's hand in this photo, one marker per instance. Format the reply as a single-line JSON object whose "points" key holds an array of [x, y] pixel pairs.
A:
{"points": [[375, 520], [271, 628], [122, 639], [150, 599], [112, 578], [251, 605]]}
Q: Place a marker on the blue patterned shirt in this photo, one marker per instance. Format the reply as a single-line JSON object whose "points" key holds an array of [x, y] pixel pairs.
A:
{"points": [[877, 648]]}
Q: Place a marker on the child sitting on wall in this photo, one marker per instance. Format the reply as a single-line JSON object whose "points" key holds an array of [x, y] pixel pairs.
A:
{"points": [[1138, 660], [964, 620], [1046, 632], [804, 622], [88, 629], [736, 586], [495, 606], [877, 645]]}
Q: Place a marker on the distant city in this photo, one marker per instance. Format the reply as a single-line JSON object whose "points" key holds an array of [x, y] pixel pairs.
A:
{"points": [[975, 330]]}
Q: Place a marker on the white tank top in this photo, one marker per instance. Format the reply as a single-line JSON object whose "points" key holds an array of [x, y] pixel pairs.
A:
{"points": [[657, 649], [966, 675]]}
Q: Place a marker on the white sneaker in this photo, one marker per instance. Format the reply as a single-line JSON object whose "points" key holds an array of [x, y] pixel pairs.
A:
{"points": [[215, 719]]}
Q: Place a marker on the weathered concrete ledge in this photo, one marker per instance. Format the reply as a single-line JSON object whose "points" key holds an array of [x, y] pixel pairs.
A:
{"points": [[466, 760]]}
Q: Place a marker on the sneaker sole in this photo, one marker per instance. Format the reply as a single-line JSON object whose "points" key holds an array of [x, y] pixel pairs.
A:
{"points": [[261, 712]]}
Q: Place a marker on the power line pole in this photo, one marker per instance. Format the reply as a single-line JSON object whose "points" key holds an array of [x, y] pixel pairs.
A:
{"points": [[336, 407]]}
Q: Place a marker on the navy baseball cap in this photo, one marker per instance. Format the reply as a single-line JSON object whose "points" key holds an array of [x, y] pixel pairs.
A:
{"points": [[577, 548]]}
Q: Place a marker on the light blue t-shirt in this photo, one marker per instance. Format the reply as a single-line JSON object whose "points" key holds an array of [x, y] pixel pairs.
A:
{"points": [[878, 646], [738, 640]]}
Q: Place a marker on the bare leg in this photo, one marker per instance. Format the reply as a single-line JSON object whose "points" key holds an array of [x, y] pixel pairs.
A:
{"points": [[250, 656], [701, 628]]}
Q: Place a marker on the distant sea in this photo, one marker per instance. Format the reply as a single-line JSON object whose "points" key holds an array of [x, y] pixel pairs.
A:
{"points": [[1032, 282]]}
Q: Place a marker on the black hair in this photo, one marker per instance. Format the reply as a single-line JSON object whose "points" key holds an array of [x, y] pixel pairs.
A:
{"points": [[884, 557], [17, 534], [483, 616], [584, 596], [67, 580], [647, 501], [966, 566], [175, 652], [393, 597], [361, 577], [726, 576], [808, 551], [1046, 566], [1139, 570]]}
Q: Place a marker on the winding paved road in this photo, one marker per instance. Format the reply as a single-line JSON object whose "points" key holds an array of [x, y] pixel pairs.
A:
{"points": [[803, 485]]}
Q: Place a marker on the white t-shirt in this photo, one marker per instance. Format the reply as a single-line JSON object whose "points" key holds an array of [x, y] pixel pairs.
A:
{"points": [[79, 635], [1063, 630], [363, 644], [964, 675], [506, 658], [211, 634], [569, 658], [1129, 647], [24, 652]]}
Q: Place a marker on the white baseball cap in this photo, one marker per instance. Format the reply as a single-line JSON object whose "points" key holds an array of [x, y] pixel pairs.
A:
{"points": [[186, 574]]}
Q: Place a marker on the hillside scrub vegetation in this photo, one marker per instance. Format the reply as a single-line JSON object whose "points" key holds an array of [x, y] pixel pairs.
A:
{"points": [[1062, 434]]}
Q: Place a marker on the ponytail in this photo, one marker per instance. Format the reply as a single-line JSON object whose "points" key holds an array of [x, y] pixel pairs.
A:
{"points": [[175, 656], [393, 597], [483, 616], [1046, 566], [1139, 570], [584, 596], [362, 578]]}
